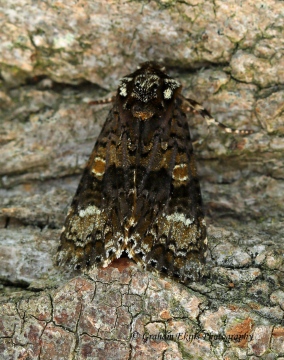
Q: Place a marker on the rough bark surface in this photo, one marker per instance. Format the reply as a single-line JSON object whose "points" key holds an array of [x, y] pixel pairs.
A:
{"points": [[54, 57]]}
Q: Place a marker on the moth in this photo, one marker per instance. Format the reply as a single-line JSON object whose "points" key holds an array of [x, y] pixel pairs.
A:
{"points": [[139, 194]]}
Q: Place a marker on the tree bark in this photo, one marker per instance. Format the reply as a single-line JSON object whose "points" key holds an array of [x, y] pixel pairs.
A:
{"points": [[57, 56]]}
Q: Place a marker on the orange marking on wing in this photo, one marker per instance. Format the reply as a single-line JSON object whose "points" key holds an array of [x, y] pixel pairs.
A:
{"points": [[180, 172], [99, 166]]}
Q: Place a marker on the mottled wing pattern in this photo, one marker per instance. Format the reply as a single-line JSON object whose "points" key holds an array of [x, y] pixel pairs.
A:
{"points": [[168, 231], [88, 228], [140, 193]]}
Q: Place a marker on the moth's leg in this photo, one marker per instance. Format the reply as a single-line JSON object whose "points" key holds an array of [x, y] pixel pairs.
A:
{"points": [[102, 101], [190, 105]]}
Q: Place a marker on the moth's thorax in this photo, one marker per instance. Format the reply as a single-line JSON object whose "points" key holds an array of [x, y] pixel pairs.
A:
{"points": [[147, 92]]}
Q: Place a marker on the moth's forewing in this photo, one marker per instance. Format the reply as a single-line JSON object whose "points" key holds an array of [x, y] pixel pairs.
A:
{"points": [[140, 192]]}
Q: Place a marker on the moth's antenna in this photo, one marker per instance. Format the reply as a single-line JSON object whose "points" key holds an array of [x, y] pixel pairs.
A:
{"points": [[102, 101], [193, 106]]}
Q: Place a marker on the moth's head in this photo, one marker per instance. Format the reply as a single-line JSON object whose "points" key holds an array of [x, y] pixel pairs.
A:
{"points": [[148, 91]]}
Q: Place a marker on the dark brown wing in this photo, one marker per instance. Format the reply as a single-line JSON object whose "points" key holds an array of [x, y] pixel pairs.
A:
{"points": [[166, 227], [139, 192], [93, 229]]}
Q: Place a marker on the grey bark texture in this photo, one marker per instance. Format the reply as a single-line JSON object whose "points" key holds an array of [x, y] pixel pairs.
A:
{"points": [[54, 58]]}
